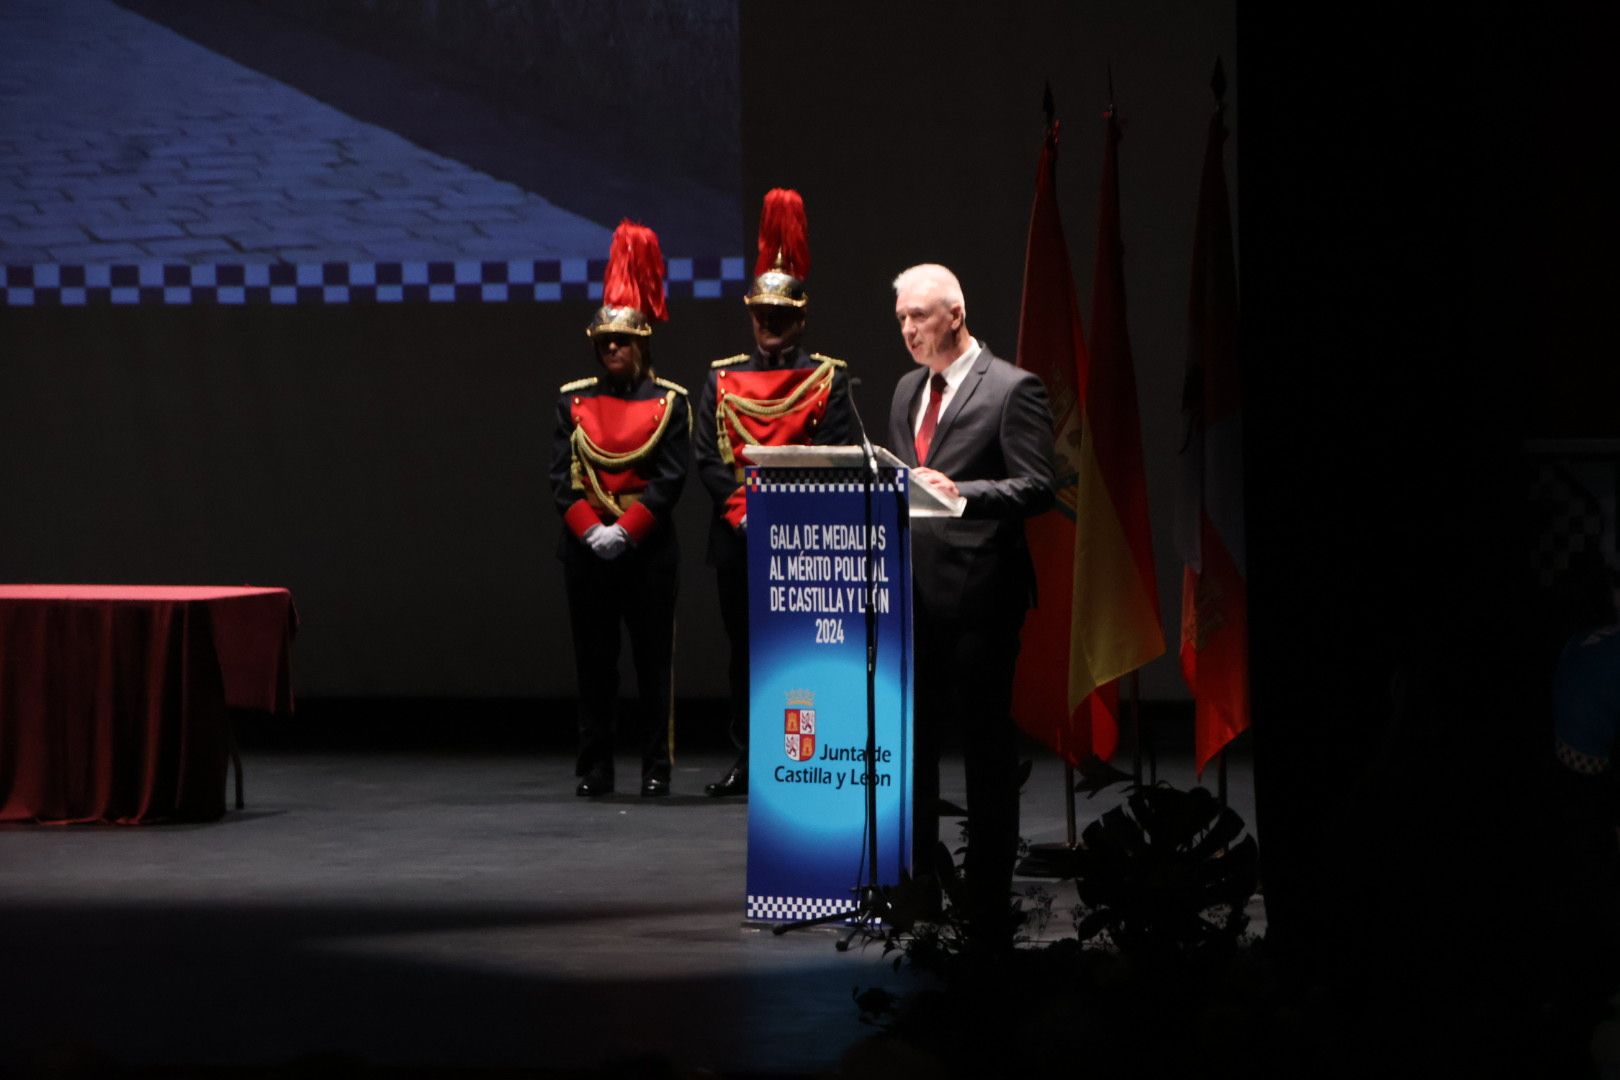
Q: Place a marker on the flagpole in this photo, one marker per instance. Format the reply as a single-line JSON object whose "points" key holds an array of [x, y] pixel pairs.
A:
{"points": [[1071, 832], [1051, 342], [1144, 735], [1136, 731], [1217, 83], [1068, 805]]}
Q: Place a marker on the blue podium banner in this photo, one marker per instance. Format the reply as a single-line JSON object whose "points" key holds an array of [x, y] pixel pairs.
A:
{"points": [[809, 540]]}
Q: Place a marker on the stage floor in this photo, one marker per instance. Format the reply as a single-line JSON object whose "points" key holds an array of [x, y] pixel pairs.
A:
{"points": [[438, 910]]}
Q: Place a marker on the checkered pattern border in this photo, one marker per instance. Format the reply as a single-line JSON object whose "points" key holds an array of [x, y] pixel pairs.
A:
{"points": [[1577, 760], [1575, 505], [233, 284], [819, 481], [821, 489], [794, 908]]}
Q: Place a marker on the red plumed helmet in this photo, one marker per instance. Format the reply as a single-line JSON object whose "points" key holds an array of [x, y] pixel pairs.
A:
{"points": [[633, 287], [784, 251]]}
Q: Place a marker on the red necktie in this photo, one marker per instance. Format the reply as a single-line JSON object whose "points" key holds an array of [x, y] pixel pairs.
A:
{"points": [[925, 434]]}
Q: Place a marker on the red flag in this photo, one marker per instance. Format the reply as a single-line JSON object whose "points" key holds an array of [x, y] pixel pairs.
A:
{"points": [[1051, 343], [1209, 523], [1117, 626]]}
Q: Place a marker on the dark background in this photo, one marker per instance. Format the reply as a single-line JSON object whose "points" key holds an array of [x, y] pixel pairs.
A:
{"points": [[1423, 265]]}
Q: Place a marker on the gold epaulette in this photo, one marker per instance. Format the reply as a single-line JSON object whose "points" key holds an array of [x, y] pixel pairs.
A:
{"points": [[577, 384], [728, 361], [827, 359], [667, 385]]}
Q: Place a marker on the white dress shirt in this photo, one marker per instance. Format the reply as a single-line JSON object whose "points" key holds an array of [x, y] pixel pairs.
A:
{"points": [[953, 379]]}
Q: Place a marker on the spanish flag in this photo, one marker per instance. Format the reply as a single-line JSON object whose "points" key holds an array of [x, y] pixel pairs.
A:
{"points": [[1115, 614], [1098, 615], [1051, 343]]}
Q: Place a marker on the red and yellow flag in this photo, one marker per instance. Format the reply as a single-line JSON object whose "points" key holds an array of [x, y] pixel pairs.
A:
{"points": [[1209, 522], [1051, 343], [1116, 622], [1098, 616]]}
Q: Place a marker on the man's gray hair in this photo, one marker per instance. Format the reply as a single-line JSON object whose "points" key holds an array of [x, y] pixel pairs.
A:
{"points": [[949, 289]]}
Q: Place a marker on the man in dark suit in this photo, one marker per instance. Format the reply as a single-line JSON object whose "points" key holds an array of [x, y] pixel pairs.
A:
{"points": [[979, 432]]}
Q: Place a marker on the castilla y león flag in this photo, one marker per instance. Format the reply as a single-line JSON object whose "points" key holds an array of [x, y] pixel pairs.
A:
{"points": [[1209, 520]]}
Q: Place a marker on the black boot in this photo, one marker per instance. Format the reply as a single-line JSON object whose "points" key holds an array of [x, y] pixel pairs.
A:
{"points": [[594, 784], [735, 782]]}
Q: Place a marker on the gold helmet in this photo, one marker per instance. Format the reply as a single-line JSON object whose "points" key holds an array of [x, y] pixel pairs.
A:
{"points": [[633, 286], [784, 252], [618, 320]]}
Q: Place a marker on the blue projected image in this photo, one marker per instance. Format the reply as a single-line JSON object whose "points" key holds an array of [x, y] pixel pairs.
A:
{"points": [[155, 151]]}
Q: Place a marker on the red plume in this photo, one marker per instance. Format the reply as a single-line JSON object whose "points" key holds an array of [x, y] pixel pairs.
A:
{"points": [[635, 271], [782, 227]]}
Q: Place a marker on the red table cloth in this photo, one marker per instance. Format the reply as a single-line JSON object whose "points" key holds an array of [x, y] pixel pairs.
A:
{"points": [[113, 698]]}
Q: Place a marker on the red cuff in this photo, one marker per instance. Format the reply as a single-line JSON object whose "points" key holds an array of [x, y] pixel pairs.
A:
{"points": [[580, 517], [736, 508], [638, 521]]}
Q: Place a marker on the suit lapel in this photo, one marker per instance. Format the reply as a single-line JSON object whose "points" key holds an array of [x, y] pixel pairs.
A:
{"points": [[961, 399], [903, 417]]}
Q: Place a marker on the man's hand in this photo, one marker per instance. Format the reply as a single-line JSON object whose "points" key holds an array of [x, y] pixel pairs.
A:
{"points": [[607, 541], [938, 481]]}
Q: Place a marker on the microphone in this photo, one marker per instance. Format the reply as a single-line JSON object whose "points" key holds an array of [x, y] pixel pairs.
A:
{"points": [[866, 443]]}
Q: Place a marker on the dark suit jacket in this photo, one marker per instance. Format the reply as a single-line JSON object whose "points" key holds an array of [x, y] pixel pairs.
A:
{"points": [[995, 441]]}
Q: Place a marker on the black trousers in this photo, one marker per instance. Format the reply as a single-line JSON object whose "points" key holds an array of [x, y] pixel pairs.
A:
{"points": [[637, 592], [731, 579], [964, 679]]}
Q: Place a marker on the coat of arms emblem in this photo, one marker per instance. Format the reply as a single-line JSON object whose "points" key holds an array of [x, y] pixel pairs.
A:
{"points": [[799, 725]]}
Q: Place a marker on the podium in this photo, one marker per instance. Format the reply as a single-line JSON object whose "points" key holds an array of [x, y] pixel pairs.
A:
{"points": [[816, 516]]}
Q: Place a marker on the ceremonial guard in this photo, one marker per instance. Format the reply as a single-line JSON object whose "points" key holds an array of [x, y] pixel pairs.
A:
{"points": [[618, 464], [775, 395]]}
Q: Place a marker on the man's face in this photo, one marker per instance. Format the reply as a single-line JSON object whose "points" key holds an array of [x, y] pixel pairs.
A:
{"points": [[928, 325], [620, 355], [777, 327]]}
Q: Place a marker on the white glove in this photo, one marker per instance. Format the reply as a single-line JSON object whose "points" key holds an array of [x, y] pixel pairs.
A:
{"points": [[742, 525], [607, 541]]}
